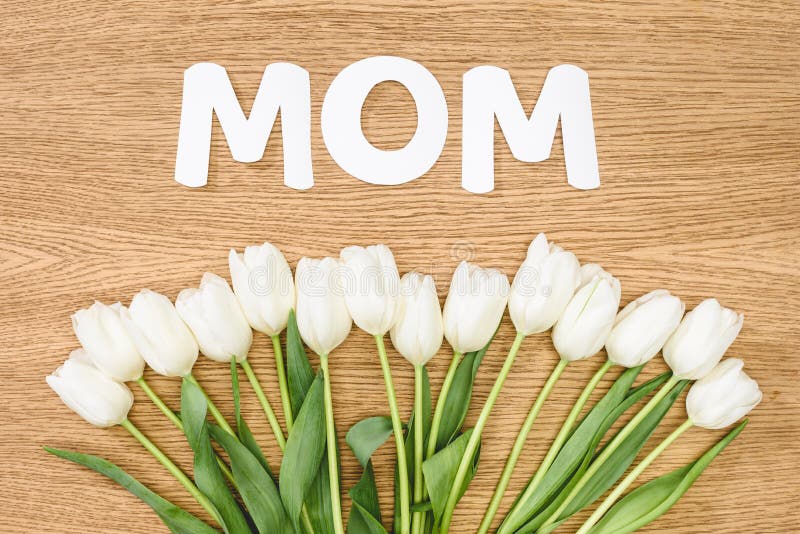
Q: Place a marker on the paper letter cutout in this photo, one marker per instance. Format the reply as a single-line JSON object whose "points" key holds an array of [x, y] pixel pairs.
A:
{"points": [[341, 121], [489, 92], [207, 89]]}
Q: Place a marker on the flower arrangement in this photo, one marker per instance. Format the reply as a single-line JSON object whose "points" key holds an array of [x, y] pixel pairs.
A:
{"points": [[436, 457]]}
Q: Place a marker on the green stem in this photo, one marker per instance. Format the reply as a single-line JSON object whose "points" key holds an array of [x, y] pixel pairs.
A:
{"points": [[173, 469], [519, 444], [153, 396], [475, 438], [611, 447], [212, 408], [510, 520], [265, 405], [419, 445], [397, 427], [333, 464], [282, 383], [438, 413], [632, 476]]}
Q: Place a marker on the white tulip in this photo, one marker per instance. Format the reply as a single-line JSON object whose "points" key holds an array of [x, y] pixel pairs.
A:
{"points": [[322, 316], [159, 333], [262, 281], [702, 339], [418, 332], [371, 285], [543, 285], [587, 320], [89, 392], [642, 328], [101, 332], [216, 319], [474, 306], [723, 396]]}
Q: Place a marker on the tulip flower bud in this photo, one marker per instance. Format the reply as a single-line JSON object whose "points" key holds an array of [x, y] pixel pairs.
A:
{"points": [[702, 339], [642, 328], [543, 285], [216, 319], [723, 396], [159, 333], [322, 316], [101, 332], [474, 306], [90, 393], [262, 281], [371, 284], [589, 316], [417, 334]]}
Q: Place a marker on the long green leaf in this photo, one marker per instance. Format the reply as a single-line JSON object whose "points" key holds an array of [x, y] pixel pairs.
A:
{"points": [[255, 485], [177, 519], [440, 472], [633, 396], [300, 374], [365, 512], [652, 500], [242, 429], [206, 471], [367, 435], [304, 450], [318, 500]]}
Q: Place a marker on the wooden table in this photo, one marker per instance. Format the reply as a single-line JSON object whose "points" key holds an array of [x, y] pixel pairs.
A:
{"points": [[697, 116]]}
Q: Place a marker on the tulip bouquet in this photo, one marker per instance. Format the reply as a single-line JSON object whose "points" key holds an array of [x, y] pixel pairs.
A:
{"points": [[436, 457]]}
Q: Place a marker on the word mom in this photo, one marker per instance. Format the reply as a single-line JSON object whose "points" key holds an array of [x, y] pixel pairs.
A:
{"points": [[487, 93]]}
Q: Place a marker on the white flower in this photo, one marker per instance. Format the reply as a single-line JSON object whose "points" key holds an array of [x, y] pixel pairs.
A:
{"points": [[702, 339], [322, 316], [101, 332], [589, 316], [417, 334], [371, 284], [90, 393], [723, 396], [262, 281], [162, 338], [642, 328], [543, 285], [216, 319], [474, 306]]}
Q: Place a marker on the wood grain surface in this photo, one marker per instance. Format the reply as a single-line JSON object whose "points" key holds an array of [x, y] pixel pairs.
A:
{"points": [[697, 116]]}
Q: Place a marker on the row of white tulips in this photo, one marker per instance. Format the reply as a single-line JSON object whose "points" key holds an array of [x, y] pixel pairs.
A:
{"points": [[551, 290]]}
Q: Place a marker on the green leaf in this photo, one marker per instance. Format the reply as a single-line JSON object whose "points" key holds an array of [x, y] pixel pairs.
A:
{"points": [[440, 472], [318, 500], [242, 430], [367, 435], [255, 485], [652, 500], [207, 474], [304, 450], [459, 396], [300, 374], [596, 432], [365, 512], [177, 519]]}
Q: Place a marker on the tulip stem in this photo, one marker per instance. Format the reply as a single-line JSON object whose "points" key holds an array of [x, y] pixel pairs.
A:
{"points": [[333, 462], [173, 469], [397, 427], [262, 399], [212, 408], [161, 405], [632, 476], [558, 442], [612, 446], [438, 413], [419, 445], [519, 444], [475, 438], [282, 383]]}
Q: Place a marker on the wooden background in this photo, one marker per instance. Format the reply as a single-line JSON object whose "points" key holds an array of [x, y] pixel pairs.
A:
{"points": [[697, 115]]}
